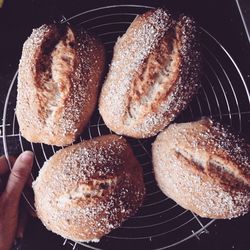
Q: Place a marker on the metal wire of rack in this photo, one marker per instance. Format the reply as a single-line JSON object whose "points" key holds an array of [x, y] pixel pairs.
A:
{"points": [[160, 223]]}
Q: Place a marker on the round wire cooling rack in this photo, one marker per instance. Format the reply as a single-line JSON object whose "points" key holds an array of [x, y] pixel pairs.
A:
{"points": [[160, 223]]}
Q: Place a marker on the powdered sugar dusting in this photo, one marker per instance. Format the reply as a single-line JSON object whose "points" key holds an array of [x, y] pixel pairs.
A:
{"points": [[91, 188], [85, 82], [142, 92], [129, 54], [26, 94], [183, 157], [59, 75]]}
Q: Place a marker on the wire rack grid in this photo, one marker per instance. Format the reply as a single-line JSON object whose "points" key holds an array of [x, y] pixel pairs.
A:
{"points": [[160, 223]]}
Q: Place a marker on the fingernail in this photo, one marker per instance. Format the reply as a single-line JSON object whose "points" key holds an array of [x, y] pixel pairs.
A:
{"points": [[27, 156]]}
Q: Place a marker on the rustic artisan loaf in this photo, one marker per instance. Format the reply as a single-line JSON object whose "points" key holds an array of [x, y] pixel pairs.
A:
{"points": [[86, 190], [204, 168], [58, 81], [153, 75]]}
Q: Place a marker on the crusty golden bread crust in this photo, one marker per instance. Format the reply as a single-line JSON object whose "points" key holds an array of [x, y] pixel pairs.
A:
{"points": [[86, 190], [204, 168], [59, 75], [153, 75]]}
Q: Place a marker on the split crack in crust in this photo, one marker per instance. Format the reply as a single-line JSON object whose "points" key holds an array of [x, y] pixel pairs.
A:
{"points": [[85, 190], [92, 189], [58, 83], [215, 166], [155, 78], [204, 167], [153, 75], [57, 62]]}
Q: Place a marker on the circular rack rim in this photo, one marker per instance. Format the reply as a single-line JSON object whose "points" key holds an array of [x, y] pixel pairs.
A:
{"points": [[76, 16]]}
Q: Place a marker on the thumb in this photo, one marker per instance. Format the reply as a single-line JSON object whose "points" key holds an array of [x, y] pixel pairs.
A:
{"points": [[19, 175]]}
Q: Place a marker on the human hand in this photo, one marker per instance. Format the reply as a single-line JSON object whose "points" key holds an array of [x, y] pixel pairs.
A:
{"points": [[10, 197]]}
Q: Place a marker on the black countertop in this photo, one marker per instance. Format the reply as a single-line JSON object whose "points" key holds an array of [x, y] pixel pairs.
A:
{"points": [[220, 18], [244, 9]]}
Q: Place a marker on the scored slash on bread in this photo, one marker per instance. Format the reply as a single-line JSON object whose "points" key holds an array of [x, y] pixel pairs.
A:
{"points": [[58, 83], [87, 189], [153, 75], [204, 168]]}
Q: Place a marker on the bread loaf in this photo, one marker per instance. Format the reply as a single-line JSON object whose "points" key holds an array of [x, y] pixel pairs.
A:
{"points": [[86, 190], [58, 81], [153, 75], [204, 168]]}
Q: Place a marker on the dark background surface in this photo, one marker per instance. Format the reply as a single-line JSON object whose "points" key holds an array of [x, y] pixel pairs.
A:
{"points": [[220, 18]]}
